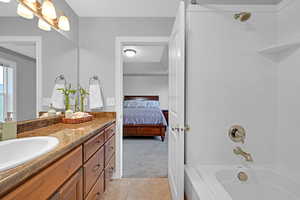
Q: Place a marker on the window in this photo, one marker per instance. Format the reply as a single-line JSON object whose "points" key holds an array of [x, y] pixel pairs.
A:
{"points": [[7, 92]]}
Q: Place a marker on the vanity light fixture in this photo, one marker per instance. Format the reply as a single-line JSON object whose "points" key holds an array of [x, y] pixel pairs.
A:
{"points": [[24, 12], [63, 23], [130, 52], [44, 25], [48, 9], [46, 13]]}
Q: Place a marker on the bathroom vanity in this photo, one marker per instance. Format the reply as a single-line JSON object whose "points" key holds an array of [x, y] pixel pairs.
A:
{"points": [[79, 168]]}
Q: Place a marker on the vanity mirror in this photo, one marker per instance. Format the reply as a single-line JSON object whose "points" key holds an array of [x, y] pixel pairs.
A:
{"points": [[30, 61]]}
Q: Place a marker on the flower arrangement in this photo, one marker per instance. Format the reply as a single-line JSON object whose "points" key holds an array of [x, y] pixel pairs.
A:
{"points": [[83, 94], [67, 92]]}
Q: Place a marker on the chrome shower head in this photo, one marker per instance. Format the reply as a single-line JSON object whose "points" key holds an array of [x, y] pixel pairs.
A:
{"points": [[243, 16]]}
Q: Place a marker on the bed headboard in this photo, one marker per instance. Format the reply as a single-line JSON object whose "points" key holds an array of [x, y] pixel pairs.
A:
{"points": [[153, 98]]}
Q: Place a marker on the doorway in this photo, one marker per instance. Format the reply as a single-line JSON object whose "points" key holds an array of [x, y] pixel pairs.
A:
{"points": [[123, 43], [145, 111]]}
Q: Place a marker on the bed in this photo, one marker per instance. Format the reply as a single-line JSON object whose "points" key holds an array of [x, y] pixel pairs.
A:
{"points": [[142, 116]]}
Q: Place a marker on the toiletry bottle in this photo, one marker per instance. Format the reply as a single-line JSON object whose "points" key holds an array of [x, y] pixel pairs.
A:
{"points": [[8, 130], [51, 111]]}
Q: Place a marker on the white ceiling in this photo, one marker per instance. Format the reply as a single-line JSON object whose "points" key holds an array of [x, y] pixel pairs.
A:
{"points": [[142, 8], [27, 49], [148, 60], [124, 8], [145, 54]]}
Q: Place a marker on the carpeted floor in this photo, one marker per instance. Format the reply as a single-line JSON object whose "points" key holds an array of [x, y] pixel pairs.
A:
{"points": [[145, 157]]}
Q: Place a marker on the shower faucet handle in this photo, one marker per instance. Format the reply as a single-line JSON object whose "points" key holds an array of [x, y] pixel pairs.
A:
{"points": [[237, 134]]}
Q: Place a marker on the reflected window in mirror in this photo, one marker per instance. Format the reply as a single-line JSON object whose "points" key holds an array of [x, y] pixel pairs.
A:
{"points": [[7, 91]]}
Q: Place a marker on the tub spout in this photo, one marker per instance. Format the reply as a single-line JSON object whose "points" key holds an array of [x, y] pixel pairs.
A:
{"points": [[239, 151]]}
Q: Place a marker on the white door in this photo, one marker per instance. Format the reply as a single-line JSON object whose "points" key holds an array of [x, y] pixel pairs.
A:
{"points": [[176, 105]]}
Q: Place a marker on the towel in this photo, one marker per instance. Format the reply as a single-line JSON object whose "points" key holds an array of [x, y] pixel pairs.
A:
{"points": [[57, 98], [95, 96]]}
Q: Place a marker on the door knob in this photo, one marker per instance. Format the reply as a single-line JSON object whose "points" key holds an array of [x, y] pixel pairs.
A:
{"points": [[175, 129], [186, 128]]}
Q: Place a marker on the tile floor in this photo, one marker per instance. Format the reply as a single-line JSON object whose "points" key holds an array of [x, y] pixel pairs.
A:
{"points": [[138, 189]]}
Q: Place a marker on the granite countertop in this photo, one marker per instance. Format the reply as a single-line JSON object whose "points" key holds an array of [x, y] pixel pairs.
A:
{"points": [[69, 136]]}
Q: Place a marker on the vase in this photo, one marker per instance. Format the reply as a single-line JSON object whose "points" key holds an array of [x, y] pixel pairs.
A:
{"points": [[67, 102], [82, 104]]}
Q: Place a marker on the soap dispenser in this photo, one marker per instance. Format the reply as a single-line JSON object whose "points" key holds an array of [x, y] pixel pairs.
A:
{"points": [[51, 111], [8, 129]]}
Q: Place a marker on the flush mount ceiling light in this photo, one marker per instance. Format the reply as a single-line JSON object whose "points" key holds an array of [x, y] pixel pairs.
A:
{"points": [[46, 12], [130, 52]]}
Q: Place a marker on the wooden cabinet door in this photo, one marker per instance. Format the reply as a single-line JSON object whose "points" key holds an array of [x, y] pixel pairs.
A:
{"points": [[44, 184], [93, 169], [98, 189], [92, 145], [109, 149], [110, 131], [72, 189]]}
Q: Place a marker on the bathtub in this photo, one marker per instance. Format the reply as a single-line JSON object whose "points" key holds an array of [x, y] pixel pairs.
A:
{"points": [[216, 182]]}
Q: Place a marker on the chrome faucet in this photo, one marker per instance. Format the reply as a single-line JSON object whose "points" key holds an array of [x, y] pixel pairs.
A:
{"points": [[239, 151]]}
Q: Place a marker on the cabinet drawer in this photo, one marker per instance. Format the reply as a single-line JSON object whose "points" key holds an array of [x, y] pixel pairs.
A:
{"points": [[109, 171], [44, 184], [109, 149], [92, 145], [97, 190], [72, 189], [93, 169], [110, 131]]}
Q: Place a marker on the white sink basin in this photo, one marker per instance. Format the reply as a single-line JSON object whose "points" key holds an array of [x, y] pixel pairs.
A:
{"points": [[18, 151]]}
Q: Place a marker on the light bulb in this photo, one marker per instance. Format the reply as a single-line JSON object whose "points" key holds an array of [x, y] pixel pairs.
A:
{"points": [[63, 23], [44, 25], [130, 52], [24, 12], [48, 9]]}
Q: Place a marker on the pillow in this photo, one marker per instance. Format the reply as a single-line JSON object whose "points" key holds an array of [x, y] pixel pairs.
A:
{"points": [[134, 104], [141, 104], [152, 104]]}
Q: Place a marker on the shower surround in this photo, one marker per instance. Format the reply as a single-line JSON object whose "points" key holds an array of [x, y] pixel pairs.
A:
{"points": [[237, 83]]}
